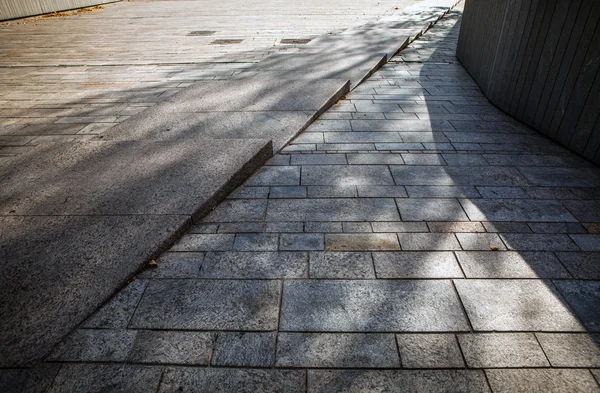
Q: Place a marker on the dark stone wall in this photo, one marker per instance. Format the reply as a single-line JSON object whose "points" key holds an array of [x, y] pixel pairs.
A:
{"points": [[539, 61]]}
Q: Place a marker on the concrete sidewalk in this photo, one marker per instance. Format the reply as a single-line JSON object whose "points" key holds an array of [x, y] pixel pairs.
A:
{"points": [[414, 238]]}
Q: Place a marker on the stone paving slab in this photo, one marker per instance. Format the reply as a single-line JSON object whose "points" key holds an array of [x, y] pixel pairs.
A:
{"points": [[209, 305], [332, 381], [336, 350], [429, 351], [515, 305], [542, 380], [244, 349], [80, 378], [332, 210], [233, 380], [370, 306]]}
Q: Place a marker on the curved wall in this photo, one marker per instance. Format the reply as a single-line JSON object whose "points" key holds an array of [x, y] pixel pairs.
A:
{"points": [[11, 9], [539, 61]]}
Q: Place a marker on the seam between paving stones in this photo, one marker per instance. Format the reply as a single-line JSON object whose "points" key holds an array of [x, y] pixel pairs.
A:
{"points": [[308, 368], [462, 306], [542, 348]]}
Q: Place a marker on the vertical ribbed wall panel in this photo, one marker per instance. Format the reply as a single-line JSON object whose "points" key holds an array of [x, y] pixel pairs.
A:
{"points": [[10, 9], [539, 61]]}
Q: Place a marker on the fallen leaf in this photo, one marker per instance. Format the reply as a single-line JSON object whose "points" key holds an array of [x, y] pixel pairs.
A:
{"points": [[152, 263], [494, 247]]}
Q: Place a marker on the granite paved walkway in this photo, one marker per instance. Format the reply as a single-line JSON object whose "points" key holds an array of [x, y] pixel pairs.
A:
{"points": [[414, 238]]}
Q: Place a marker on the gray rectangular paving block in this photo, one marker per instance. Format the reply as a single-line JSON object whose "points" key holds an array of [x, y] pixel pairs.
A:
{"points": [[282, 226], [538, 242], [400, 125], [244, 349], [571, 350], [374, 159], [399, 227], [562, 177], [348, 265], [453, 226], [381, 191], [484, 350], [428, 241], [375, 381], [417, 209], [102, 251], [442, 192], [346, 175], [172, 347], [301, 242], [204, 242], [208, 305], [361, 242], [243, 265], [516, 210], [583, 297], [318, 159], [141, 177], [358, 137], [372, 209], [343, 191], [97, 378], [404, 264], [581, 265], [480, 241], [541, 380], [234, 227], [255, 242], [209, 380], [337, 350], [587, 242], [429, 351], [382, 305], [453, 176], [584, 211], [521, 305], [510, 264]]}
